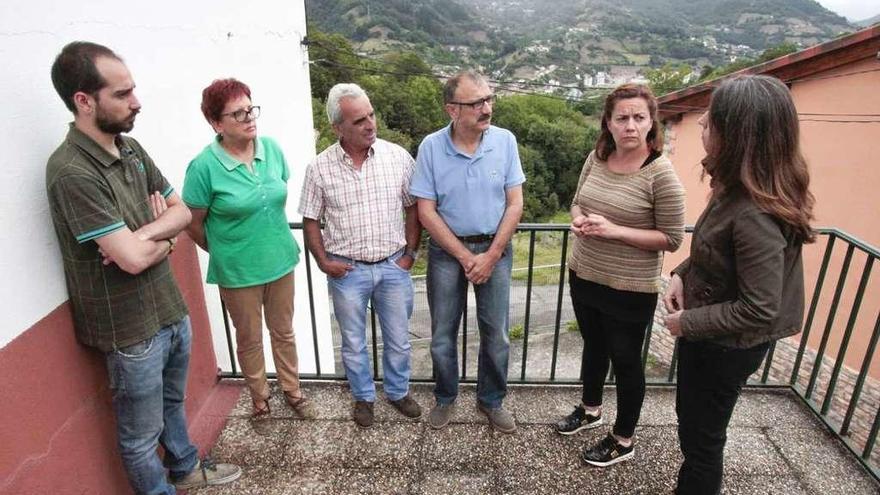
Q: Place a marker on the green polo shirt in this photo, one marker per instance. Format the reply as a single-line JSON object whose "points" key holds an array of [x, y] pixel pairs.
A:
{"points": [[92, 194], [246, 228]]}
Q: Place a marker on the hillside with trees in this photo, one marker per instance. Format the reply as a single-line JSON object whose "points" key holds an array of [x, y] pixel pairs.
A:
{"points": [[576, 43], [554, 135]]}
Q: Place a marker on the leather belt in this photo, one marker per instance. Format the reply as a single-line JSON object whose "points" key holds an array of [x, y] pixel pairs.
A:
{"points": [[476, 238], [383, 260]]}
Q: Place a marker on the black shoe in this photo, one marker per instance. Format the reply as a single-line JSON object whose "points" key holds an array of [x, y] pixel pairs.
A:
{"points": [[576, 421], [607, 452]]}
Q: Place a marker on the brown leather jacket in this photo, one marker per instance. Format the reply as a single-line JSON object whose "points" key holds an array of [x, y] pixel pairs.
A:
{"points": [[744, 280]]}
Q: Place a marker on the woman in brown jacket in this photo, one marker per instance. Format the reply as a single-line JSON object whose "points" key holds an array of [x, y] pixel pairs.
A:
{"points": [[742, 286]]}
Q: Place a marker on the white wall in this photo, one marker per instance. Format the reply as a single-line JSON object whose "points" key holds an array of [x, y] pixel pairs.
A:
{"points": [[173, 49]]}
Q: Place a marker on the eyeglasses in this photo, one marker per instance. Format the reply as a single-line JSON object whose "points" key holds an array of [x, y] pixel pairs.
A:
{"points": [[476, 105], [244, 115]]}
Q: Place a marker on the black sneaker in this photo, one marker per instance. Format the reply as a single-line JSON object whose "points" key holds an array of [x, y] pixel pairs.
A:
{"points": [[577, 421], [607, 452]]}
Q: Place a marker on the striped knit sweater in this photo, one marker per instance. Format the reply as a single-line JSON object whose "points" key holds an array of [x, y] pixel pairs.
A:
{"points": [[651, 198]]}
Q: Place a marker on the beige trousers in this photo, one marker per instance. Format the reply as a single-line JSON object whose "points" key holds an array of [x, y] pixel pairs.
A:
{"points": [[246, 307]]}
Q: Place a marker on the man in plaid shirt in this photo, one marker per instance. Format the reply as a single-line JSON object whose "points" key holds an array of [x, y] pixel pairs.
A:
{"points": [[359, 188]]}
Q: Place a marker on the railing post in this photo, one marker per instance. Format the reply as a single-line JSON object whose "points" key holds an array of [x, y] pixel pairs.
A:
{"points": [[375, 344], [673, 362], [768, 361], [829, 322], [805, 335], [847, 334], [559, 292], [860, 381], [464, 326], [525, 348], [228, 338], [310, 288]]}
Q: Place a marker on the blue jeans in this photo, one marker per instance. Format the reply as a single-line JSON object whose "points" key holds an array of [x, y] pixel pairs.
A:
{"points": [[148, 381], [390, 289], [447, 290]]}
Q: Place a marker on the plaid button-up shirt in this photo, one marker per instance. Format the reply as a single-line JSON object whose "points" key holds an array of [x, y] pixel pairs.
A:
{"points": [[362, 210]]}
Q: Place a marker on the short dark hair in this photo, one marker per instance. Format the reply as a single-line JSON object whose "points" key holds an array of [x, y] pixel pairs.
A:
{"points": [[218, 94], [605, 143], [452, 83], [74, 70]]}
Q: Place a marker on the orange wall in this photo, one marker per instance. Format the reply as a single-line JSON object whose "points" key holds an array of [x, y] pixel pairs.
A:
{"points": [[844, 161]]}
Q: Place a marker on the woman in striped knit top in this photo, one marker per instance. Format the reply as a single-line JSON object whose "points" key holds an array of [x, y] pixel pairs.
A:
{"points": [[627, 209]]}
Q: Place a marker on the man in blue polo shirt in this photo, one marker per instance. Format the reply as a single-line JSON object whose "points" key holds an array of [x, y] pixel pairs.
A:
{"points": [[468, 182]]}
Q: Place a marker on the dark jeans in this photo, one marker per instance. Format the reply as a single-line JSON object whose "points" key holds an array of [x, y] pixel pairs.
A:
{"points": [[610, 340], [447, 289], [710, 378]]}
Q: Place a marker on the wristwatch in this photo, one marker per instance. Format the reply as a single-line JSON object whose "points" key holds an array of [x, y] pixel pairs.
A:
{"points": [[412, 253]]}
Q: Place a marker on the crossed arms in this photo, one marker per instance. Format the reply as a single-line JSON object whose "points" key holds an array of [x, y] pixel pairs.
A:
{"points": [[134, 252]]}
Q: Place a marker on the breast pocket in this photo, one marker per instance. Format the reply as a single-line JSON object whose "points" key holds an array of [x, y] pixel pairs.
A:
{"points": [[342, 195]]}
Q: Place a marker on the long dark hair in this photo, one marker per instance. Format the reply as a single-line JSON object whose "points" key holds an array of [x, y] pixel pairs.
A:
{"points": [[605, 143], [755, 147]]}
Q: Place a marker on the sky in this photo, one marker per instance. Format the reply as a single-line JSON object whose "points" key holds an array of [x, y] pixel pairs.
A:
{"points": [[854, 10]]}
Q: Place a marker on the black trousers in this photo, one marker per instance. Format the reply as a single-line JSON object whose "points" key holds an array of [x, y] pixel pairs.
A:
{"points": [[710, 378], [611, 340]]}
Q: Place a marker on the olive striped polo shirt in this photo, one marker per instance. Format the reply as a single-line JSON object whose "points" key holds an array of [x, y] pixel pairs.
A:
{"points": [[91, 194]]}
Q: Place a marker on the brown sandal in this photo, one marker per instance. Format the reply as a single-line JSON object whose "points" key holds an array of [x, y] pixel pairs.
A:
{"points": [[261, 408]]}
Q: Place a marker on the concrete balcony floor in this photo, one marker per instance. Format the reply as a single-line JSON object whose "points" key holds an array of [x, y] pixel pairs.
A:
{"points": [[775, 446]]}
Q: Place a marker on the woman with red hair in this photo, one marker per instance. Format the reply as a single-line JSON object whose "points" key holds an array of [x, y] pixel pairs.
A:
{"points": [[237, 190]]}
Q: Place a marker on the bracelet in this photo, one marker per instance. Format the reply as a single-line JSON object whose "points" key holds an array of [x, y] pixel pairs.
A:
{"points": [[412, 253]]}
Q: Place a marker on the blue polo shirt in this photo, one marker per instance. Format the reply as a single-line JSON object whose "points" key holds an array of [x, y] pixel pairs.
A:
{"points": [[470, 191]]}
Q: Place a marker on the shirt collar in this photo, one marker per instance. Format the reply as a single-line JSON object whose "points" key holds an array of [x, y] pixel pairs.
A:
{"points": [[345, 158], [230, 163], [93, 149], [485, 145]]}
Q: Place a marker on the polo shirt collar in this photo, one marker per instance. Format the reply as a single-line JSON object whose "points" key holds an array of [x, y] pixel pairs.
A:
{"points": [[230, 163], [484, 147], [92, 148]]}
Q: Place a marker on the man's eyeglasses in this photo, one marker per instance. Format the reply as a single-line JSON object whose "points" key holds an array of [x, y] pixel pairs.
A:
{"points": [[476, 105], [244, 115]]}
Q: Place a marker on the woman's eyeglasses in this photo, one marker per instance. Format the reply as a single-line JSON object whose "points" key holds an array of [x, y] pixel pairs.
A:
{"points": [[244, 115]]}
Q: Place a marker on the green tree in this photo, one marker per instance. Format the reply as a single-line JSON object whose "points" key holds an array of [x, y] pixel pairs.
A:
{"points": [[554, 139], [671, 77], [333, 61]]}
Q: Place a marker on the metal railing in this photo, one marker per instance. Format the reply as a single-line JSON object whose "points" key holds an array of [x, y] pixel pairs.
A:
{"points": [[813, 376]]}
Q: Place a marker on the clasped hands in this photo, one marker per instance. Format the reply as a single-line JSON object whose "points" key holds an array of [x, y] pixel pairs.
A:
{"points": [[593, 224], [478, 267]]}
